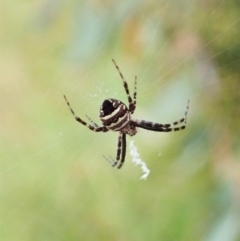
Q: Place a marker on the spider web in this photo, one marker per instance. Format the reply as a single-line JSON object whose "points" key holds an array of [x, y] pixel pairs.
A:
{"points": [[55, 184]]}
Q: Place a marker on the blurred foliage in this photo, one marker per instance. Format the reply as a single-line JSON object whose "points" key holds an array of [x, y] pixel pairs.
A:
{"points": [[54, 183]]}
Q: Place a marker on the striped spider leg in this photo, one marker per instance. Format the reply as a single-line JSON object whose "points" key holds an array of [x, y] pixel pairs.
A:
{"points": [[121, 152], [164, 127], [132, 102], [93, 127]]}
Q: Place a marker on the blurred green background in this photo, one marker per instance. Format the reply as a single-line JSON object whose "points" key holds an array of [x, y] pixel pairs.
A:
{"points": [[55, 184]]}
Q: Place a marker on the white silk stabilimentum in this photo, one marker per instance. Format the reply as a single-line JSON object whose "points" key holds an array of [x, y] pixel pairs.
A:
{"points": [[137, 160]]}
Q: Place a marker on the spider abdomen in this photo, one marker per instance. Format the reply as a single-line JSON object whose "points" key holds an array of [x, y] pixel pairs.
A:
{"points": [[114, 114]]}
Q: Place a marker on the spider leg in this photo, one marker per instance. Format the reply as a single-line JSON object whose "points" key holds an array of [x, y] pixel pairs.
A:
{"points": [[130, 101], [119, 148], [157, 127], [123, 154], [163, 127], [93, 127], [92, 122], [113, 162], [184, 119], [133, 105]]}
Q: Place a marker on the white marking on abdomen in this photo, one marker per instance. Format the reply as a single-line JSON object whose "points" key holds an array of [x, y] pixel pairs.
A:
{"points": [[112, 114], [125, 122]]}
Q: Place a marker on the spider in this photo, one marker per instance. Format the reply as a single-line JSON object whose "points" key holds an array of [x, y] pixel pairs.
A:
{"points": [[116, 116]]}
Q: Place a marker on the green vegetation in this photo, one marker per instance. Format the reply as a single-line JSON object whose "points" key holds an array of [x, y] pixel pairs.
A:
{"points": [[55, 185]]}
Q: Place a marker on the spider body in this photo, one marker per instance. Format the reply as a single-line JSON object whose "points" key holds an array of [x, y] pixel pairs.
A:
{"points": [[116, 116]]}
